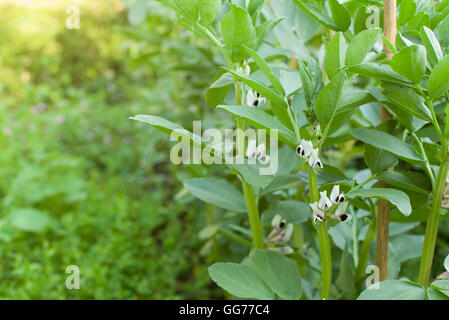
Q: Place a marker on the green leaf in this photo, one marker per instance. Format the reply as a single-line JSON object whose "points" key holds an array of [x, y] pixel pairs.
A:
{"points": [[217, 192], [443, 31], [240, 280], [189, 9], [208, 10], [442, 286], [281, 182], [254, 5], [379, 71], [400, 180], [261, 120], [264, 29], [360, 45], [265, 68], [292, 211], [418, 21], [219, 89], [387, 142], [394, 290], [280, 273], [28, 219], [408, 100], [308, 82], [335, 55], [160, 123], [435, 294], [259, 87], [406, 11], [378, 160], [360, 19], [396, 197], [251, 174], [237, 30], [340, 15], [316, 14], [430, 41], [326, 102], [410, 62], [438, 81], [407, 246]]}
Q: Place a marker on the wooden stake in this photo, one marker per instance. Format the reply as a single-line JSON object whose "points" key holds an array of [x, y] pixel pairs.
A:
{"points": [[383, 207]]}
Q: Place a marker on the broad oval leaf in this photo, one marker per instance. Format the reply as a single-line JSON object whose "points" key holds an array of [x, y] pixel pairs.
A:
{"points": [[439, 79], [406, 99], [237, 30], [394, 290], [340, 15], [396, 197], [430, 41], [334, 59], [208, 11], [217, 192], [240, 280], [316, 14], [379, 71], [360, 45], [410, 62], [406, 11], [279, 272], [326, 102], [387, 142]]}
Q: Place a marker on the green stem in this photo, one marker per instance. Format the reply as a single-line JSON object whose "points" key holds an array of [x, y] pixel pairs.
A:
{"points": [[423, 152], [363, 258], [248, 193], [253, 215], [355, 241], [432, 225], [437, 126], [323, 241]]}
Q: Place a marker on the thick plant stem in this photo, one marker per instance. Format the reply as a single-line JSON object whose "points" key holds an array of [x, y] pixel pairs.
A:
{"points": [[253, 215], [248, 192], [383, 208], [363, 258], [430, 237], [323, 241]]}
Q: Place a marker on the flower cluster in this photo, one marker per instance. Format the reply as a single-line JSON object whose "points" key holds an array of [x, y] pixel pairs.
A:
{"points": [[306, 151], [257, 151], [280, 235], [445, 275], [254, 99], [333, 207]]}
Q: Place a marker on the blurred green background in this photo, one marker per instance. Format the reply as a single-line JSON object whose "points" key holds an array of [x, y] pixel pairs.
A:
{"points": [[80, 184]]}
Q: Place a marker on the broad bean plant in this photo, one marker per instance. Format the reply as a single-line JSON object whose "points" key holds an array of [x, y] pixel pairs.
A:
{"points": [[314, 76]]}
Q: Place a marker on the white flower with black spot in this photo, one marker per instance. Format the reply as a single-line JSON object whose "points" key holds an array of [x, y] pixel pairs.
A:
{"points": [[306, 151], [334, 206], [254, 99], [280, 235]]}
